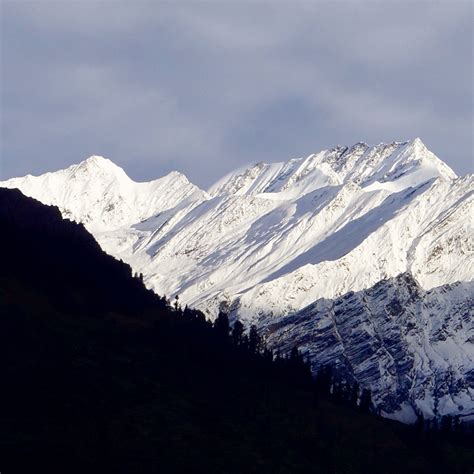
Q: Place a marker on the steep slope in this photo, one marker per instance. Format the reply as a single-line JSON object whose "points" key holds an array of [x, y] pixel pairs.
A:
{"points": [[276, 237], [395, 207], [414, 349], [60, 259], [425, 230]]}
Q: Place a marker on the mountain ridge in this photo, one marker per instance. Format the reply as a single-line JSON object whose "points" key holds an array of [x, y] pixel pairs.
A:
{"points": [[268, 240], [110, 198]]}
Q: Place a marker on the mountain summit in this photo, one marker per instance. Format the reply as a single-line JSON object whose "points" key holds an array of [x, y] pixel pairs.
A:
{"points": [[99, 193], [271, 239], [396, 165]]}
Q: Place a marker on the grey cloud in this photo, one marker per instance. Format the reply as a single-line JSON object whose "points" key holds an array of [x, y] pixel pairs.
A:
{"points": [[206, 87]]}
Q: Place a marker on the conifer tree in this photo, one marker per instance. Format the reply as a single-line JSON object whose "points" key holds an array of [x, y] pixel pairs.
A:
{"points": [[365, 401], [255, 341], [221, 325], [237, 333], [419, 423]]}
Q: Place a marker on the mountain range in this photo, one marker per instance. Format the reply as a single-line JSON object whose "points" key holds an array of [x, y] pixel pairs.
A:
{"points": [[362, 256]]}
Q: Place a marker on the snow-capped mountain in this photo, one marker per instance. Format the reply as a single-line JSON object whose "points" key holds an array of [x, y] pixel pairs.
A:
{"points": [[99, 194], [272, 239]]}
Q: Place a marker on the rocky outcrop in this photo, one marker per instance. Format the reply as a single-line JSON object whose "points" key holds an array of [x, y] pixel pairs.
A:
{"points": [[413, 349]]}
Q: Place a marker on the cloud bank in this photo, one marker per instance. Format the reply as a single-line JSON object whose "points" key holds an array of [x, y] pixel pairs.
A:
{"points": [[203, 88]]}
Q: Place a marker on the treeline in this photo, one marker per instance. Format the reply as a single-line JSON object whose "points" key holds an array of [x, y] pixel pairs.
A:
{"points": [[327, 383], [248, 344]]}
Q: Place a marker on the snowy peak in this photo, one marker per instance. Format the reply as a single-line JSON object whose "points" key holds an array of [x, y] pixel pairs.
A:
{"points": [[174, 176], [415, 153], [98, 169], [98, 162], [400, 165], [392, 166], [99, 194]]}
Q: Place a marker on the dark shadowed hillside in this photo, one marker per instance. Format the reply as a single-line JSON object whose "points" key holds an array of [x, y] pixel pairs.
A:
{"points": [[101, 375], [61, 259]]}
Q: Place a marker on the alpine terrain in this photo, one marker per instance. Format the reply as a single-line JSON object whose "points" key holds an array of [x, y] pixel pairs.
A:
{"points": [[361, 256]]}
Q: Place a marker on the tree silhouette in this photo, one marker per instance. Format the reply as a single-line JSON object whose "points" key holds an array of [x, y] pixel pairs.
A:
{"points": [[365, 405], [221, 325], [237, 333], [255, 341], [419, 425]]}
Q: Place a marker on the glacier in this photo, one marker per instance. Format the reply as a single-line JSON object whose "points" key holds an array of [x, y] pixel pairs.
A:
{"points": [[273, 241]]}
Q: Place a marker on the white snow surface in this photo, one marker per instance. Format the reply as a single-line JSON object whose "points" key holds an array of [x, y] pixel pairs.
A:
{"points": [[273, 238], [100, 195], [276, 237]]}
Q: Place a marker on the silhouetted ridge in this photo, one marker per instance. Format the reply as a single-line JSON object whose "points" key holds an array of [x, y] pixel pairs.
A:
{"points": [[46, 251]]}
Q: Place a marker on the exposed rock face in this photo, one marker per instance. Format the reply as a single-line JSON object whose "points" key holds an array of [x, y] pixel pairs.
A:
{"points": [[413, 348]]}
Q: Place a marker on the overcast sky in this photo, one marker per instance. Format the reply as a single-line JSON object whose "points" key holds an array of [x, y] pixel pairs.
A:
{"points": [[205, 87]]}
